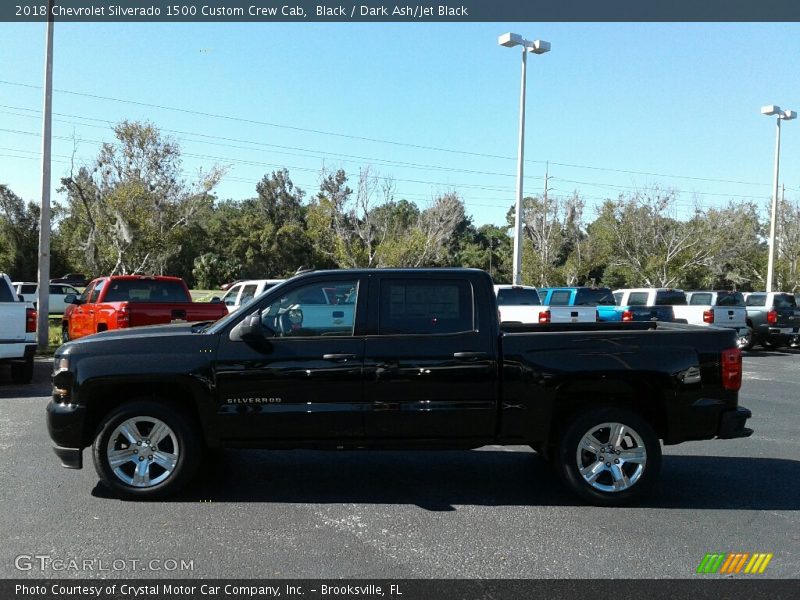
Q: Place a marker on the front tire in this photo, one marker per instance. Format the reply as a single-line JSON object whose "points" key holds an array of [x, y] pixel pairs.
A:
{"points": [[64, 333], [146, 450], [22, 372], [609, 456]]}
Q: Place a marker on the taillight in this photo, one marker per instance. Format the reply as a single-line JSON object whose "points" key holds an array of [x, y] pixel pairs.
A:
{"points": [[732, 369], [544, 316], [708, 316], [30, 320], [123, 316], [627, 315], [772, 317]]}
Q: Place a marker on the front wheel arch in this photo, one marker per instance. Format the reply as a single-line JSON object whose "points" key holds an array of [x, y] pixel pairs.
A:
{"points": [[145, 449]]}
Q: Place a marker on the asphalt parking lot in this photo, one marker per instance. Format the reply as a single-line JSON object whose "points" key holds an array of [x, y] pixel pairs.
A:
{"points": [[492, 513]]}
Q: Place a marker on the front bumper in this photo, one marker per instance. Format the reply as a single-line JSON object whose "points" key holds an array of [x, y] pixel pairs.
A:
{"points": [[71, 458], [65, 423], [732, 423]]}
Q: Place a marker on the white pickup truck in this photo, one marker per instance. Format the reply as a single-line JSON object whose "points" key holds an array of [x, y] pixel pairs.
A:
{"points": [[521, 304], [722, 308], [17, 332]]}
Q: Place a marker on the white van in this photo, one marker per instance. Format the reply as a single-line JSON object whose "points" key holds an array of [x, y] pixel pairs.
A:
{"points": [[243, 292]]}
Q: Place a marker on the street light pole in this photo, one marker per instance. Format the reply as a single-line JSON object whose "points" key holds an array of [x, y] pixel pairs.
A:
{"points": [[43, 293], [517, 278], [782, 115], [510, 40]]}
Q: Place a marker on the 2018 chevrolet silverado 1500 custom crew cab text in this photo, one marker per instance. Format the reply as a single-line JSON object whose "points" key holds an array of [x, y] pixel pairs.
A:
{"points": [[122, 301], [421, 362]]}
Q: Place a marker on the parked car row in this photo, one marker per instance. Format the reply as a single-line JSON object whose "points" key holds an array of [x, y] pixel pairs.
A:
{"points": [[771, 320]]}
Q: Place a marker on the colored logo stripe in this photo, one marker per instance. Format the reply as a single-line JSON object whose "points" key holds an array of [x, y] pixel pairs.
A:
{"points": [[734, 562]]}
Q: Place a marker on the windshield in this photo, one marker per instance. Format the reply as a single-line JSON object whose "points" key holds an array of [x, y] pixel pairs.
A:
{"points": [[517, 297]]}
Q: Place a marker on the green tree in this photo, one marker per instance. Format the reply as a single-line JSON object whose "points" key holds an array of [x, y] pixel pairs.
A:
{"points": [[131, 210], [19, 236]]}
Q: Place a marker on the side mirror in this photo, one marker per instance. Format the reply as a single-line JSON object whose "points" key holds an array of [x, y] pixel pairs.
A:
{"points": [[216, 300], [20, 297], [71, 299], [250, 330]]}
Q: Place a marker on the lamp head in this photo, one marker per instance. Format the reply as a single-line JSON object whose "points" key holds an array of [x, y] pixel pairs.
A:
{"points": [[770, 110], [539, 47], [788, 115], [509, 40]]}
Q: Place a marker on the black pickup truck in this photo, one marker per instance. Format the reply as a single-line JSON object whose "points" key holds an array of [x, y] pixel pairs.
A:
{"points": [[393, 359]]}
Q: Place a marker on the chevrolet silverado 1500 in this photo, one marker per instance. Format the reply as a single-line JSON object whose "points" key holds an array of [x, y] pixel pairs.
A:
{"points": [[420, 362]]}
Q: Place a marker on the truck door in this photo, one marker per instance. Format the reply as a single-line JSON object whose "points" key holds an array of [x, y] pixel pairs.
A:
{"points": [[430, 371], [81, 321], [305, 380]]}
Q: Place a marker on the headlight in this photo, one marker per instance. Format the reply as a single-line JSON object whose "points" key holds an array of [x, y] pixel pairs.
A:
{"points": [[61, 363]]}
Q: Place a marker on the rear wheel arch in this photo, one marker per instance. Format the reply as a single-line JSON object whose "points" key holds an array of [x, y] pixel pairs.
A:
{"points": [[581, 396]]}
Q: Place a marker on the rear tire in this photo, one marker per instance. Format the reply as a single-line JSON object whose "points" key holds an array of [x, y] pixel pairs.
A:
{"points": [[22, 372], [771, 345], [608, 456], [146, 450]]}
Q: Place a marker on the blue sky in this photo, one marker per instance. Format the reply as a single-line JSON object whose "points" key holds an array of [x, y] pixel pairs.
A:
{"points": [[678, 100]]}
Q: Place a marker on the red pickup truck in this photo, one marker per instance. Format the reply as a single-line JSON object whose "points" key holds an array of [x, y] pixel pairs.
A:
{"points": [[132, 301]]}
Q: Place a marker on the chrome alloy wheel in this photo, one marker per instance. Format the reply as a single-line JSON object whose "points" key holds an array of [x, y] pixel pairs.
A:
{"points": [[611, 457], [142, 451]]}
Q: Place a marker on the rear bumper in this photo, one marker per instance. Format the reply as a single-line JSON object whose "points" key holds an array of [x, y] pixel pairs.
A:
{"points": [[732, 424]]}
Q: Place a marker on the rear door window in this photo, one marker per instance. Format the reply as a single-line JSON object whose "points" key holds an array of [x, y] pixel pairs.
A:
{"points": [[420, 306]]}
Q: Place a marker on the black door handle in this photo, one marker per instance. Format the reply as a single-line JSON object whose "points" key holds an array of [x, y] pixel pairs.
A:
{"points": [[469, 355], [340, 357]]}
